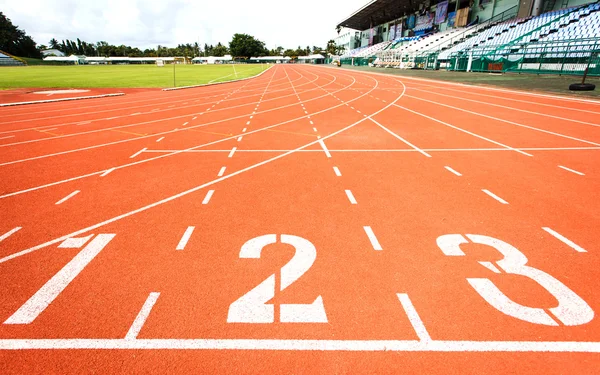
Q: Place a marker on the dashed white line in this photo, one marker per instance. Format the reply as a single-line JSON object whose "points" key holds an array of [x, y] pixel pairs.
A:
{"points": [[248, 123], [9, 233], [413, 317], [35, 305], [208, 196], [315, 129], [337, 172], [324, 148], [494, 196], [68, 197], [350, 197], [10, 136], [141, 317], [239, 139], [565, 240], [185, 123], [195, 118], [160, 139], [374, 242], [185, 238], [311, 122], [107, 172], [232, 152], [571, 170], [137, 153], [453, 171], [222, 171]]}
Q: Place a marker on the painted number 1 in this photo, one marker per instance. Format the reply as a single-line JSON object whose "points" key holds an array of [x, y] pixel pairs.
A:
{"points": [[252, 307], [572, 310]]}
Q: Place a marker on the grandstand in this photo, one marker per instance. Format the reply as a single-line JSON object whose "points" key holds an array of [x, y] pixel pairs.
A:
{"points": [[9, 60], [507, 36]]}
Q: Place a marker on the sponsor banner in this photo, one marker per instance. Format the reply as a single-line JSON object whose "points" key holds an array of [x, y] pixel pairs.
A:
{"points": [[441, 12], [424, 22]]}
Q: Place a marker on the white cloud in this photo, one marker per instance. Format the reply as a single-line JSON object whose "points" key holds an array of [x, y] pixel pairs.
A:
{"points": [[147, 23]]}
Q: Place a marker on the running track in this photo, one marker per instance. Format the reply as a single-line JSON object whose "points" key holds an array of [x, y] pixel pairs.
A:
{"points": [[310, 220]]}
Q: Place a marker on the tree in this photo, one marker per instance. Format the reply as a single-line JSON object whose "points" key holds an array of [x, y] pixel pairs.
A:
{"points": [[246, 46], [15, 41], [54, 43], [331, 48]]}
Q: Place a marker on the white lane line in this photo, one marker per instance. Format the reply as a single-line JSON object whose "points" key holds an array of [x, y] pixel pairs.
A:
{"points": [[315, 129], [571, 170], [160, 139], [135, 114], [251, 117], [53, 287], [107, 172], [47, 130], [565, 240], [399, 137], [244, 130], [248, 123], [68, 197], [221, 172], [494, 196], [141, 317], [324, 148], [337, 172], [9, 233], [311, 122], [413, 317], [195, 117], [303, 345], [453, 171], [137, 153], [75, 242], [208, 196], [374, 242], [239, 139], [232, 152], [185, 238], [185, 123], [10, 136], [350, 197]]}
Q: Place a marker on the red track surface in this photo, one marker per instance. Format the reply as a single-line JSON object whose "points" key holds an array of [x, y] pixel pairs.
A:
{"points": [[43, 94], [513, 178]]}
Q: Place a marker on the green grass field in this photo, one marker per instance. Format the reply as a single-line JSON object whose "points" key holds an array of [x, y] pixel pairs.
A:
{"points": [[94, 76]]}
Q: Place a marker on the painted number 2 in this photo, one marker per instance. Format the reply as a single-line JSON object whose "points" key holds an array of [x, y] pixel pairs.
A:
{"points": [[571, 309], [252, 307]]}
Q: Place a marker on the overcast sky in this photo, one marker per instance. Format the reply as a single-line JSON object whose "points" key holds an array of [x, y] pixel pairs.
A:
{"points": [[147, 23]]}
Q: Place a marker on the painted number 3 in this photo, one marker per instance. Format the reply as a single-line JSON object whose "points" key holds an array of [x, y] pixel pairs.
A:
{"points": [[252, 307], [571, 309]]}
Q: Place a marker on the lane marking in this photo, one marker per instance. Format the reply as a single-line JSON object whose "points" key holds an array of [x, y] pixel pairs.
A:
{"points": [[107, 172], [67, 197], [565, 240], [185, 123], [195, 117], [141, 317], [75, 242], [374, 242], [160, 139], [350, 197], [305, 345], [208, 196], [490, 266], [315, 129], [414, 318], [239, 138], [571, 170], [463, 130], [35, 305], [232, 152], [324, 148], [494, 196], [221, 172], [10, 136], [400, 138], [191, 190], [9, 233], [137, 153], [453, 171], [337, 172], [185, 238], [248, 123], [244, 130]]}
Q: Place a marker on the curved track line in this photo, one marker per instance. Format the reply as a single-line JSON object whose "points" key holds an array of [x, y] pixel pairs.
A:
{"points": [[199, 187]]}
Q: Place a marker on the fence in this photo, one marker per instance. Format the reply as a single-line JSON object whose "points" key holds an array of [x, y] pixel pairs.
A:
{"points": [[550, 57]]}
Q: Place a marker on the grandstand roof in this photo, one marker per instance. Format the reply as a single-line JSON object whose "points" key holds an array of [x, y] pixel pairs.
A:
{"points": [[376, 12]]}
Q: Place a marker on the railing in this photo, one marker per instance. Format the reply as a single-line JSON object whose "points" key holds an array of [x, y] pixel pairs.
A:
{"points": [[564, 57]]}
